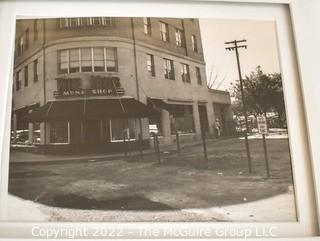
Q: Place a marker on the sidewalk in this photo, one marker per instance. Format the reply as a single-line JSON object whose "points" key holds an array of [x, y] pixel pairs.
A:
{"points": [[29, 157], [271, 209]]}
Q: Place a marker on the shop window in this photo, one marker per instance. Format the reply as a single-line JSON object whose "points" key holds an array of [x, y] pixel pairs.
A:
{"points": [[150, 64], [147, 26], [198, 73], [168, 69], [164, 32], [181, 119], [122, 128], [59, 132], [185, 75]]}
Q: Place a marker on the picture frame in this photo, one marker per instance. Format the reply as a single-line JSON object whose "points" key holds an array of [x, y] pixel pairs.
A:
{"points": [[302, 94]]}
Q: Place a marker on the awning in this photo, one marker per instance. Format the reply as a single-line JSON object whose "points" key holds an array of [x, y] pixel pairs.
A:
{"points": [[91, 109], [159, 103]]}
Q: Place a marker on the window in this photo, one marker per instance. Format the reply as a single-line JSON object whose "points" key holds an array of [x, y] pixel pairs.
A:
{"points": [[182, 119], [164, 33], [83, 22], [18, 80], [179, 38], [26, 76], [35, 30], [86, 60], [185, 75], [63, 61], [147, 26], [27, 38], [111, 60], [150, 64], [168, 69], [74, 65], [35, 70], [198, 73], [98, 54], [194, 43], [122, 128], [59, 132], [20, 45]]}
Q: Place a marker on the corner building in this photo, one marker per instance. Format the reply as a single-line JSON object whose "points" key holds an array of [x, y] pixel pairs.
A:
{"points": [[89, 83]]}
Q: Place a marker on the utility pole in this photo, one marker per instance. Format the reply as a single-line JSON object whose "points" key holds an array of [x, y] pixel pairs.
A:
{"points": [[235, 47]]}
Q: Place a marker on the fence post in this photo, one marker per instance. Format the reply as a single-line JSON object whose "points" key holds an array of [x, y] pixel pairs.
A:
{"points": [[125, 146], [140, 146], [203, 136], [178, 143], [158, 148]]}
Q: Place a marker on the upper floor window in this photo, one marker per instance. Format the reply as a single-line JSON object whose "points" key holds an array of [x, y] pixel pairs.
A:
{"points": [[185, 75], [21, 46], [18, 80], [87, 21], [35, 30], [26, 76], [194, 43], [150, 64], [87, 60], [35, 70], [27, 38], [198, 73], [147, 26], [164, 32], [168, 69], [179, 37]]}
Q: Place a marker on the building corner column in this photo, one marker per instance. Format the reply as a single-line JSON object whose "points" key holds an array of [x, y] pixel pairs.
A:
{"points": [[30, 133], [165, 124], [196, 118]]}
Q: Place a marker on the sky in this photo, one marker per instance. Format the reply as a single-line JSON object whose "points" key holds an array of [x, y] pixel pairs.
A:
{"points": [[262, 49]]}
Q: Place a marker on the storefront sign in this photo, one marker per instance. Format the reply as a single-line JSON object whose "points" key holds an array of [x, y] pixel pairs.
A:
{"points": [[111, 87]]}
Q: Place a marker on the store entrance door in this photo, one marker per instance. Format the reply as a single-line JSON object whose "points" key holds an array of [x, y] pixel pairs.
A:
{"points": [[92, 133]]}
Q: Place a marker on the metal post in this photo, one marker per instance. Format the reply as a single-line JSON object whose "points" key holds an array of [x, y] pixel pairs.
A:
{"points": [[125, 146], [266, 154], [203, 136], [140, 146], [235, 48], [178, 143], [158, 148]]}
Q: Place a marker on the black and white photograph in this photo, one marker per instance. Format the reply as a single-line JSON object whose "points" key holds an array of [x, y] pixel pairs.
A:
{"points": [[130, 119]]}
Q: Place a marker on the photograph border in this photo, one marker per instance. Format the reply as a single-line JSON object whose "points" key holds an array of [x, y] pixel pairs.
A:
{"points": [[298, 10]]}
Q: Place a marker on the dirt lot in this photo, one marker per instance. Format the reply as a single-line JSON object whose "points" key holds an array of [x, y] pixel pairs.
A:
{"points": [[175, 184]]}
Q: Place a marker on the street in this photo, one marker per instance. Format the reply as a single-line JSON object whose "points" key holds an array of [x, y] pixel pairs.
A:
{"points": [[176, 184]]}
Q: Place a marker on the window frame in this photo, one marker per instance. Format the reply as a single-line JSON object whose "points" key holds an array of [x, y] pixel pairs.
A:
{"points": [[164, 32], [118, 140], [68, 134], [185, 73], [147, 26], [26, 75], [35, 70], [194, 43], [198, 74], [151, 65], [171, 64]]}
